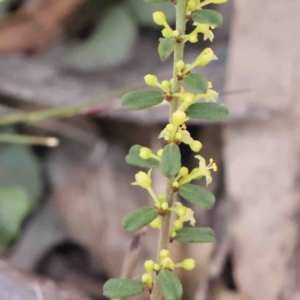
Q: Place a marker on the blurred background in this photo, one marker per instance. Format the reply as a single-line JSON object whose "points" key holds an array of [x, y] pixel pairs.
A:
{"points": [[64, 64]]}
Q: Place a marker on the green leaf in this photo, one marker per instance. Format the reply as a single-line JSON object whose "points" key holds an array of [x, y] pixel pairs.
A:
{"points": [[121, 288], [208, 111], [133, 158], [14, 207], [110, 44], [171, 160], [195, 235], [207, 16], [141, 99], [196, 83], [157, 1], [197, 195], [170, 285], [140, 218], [166, 48]]}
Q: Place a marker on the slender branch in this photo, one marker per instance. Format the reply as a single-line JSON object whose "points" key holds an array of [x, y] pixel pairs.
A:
{"points": [[64, 111], [29, 140], [164, 237]]}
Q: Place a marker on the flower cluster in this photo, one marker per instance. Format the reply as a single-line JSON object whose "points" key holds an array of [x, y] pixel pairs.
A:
{"points": [[165, 263]]}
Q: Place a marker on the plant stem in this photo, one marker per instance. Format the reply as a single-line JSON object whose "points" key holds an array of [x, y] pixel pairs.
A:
{"points": [[29, 140], [166, 219]]}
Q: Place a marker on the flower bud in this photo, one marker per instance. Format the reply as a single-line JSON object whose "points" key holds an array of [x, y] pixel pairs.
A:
{"points": [[180, 65], [165, 84], [181, 210], [188, 264], [164, 253], [156, 223], [188, 98], [143, 180], [176, 33], [157, 267], [147, 279], [145, 153], [195, 146], [149, 265], [175, 184], [159, 18], [160, 152], [161, 197], [177, 225], [167, 263], [151, 80], [167, 33], [178, 118], [178, 136], [165, 205], [170, 127]]}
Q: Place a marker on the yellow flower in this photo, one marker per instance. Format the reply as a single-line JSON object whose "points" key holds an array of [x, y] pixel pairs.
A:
{"points": [[205, 169], [189, 217], [205, 29], [205, 57]]}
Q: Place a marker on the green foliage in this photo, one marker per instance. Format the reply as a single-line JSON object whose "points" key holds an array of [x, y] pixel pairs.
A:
{"points": [[170, 285], [207, 16], [120, 288], [14, 207], [208, 111], [197, 195], [141, 99], [196, 83], [171, 160], [196, 235], [140, 218], [166, 48], [133, 158], [109, 45]]}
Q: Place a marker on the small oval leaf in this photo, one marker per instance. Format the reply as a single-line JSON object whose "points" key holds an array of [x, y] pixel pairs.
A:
{"points": [[197, 195], [208, 111], [120, 288], [195, 235], [156, 1], [207, 16], [171, 160], [140, 218], [133, 158], [166, 48], [170, 285], [196, 83], [141, 99]]}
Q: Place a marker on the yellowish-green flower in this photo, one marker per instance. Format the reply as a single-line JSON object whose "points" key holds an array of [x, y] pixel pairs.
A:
{"points": [[205, 57], [205, 29], [205, 169], [189, 217]]}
